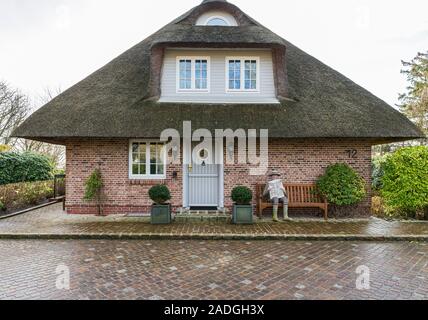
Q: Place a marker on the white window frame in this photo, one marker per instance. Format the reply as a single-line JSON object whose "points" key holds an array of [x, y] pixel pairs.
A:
{"points": [[193, 88], [242, 59], [145, 176]]}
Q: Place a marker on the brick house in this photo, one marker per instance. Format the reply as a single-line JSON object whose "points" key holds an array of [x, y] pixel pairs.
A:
{"points": [[217, 68]]}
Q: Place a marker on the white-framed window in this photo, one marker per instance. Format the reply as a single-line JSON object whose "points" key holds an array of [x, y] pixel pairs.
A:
{"points": [[193, 74], [147, 160], [242, 74]]}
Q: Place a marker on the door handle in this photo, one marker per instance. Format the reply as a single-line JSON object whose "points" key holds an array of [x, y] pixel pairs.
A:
{"points": [[190, 168]]}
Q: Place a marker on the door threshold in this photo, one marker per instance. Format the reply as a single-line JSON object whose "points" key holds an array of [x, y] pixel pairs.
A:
{"points": [[203, 208]]}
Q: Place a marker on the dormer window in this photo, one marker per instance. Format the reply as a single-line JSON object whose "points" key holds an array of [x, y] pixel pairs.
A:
{"points": [[193, 74], [242, 74], [218, 75]]}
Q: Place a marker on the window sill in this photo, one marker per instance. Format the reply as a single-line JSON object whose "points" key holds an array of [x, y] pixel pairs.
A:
{"points": [[148, 182]]}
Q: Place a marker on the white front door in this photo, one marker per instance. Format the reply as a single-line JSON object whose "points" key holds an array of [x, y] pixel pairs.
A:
{"points": [[203, 183]]}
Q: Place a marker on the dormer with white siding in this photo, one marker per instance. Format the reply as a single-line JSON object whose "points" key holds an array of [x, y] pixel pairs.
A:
{"points": [[218, 76]]}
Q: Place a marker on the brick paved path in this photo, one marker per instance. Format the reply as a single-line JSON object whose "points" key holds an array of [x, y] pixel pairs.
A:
{"points": [[52, 220], [212, 269]]}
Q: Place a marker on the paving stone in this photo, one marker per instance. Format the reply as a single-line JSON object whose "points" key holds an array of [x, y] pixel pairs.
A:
{"points": [[213, 286]]}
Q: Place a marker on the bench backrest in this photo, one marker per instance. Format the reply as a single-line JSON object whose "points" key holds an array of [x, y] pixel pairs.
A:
{"points": [[298, 193]]}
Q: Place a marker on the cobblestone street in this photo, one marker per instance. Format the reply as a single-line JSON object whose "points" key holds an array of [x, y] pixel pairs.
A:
{"points": [[212, 269]]}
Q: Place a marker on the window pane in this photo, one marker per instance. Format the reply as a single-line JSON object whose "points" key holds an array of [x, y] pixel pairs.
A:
{"points": [[136, 158], [250, 74], [153, 169], [159, 153], [217, 22], [201, 74], [234, 74], [135, 169], [153, 153], [247, 84], [185, 74], [143, 169], [160, 169], [135, 147]]}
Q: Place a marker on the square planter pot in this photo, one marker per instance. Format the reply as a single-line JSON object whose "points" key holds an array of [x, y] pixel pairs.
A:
{"points": [[161, 214], [242, 214]]}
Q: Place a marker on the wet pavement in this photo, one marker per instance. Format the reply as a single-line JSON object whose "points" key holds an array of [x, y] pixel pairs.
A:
{"points": [[52, 220], [32, 269]]}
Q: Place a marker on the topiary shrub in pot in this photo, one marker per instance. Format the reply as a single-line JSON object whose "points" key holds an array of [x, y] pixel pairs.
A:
{"points": [[242, 208], [161, 211]]}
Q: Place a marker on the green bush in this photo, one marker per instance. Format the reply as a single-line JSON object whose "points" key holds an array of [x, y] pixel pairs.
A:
{"points": [[160, 194], [24, 167], [405, 181], [2, 206], [242, 195], [378, 170], [19, 195], [93, 186], [342, 185]]}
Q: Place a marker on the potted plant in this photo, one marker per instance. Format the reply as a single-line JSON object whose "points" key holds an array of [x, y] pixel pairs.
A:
{"points": [[242, 208], [161, 211]]}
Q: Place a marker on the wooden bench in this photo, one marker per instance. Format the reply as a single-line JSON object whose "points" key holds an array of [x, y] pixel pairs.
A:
{"points": [[299, 196]]}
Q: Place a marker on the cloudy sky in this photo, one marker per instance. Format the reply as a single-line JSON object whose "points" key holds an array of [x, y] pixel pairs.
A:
{"points": [[56, 43]]}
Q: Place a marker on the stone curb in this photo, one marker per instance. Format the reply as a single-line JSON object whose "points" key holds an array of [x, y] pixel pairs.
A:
{"points": [[117, 236]]}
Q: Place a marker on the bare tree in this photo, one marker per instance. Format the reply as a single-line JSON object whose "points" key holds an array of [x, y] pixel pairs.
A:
{"points": [[55, 152], [14, 108]]}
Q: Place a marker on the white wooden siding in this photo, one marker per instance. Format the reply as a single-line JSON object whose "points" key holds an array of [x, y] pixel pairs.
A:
{"points": [[217, 93]]}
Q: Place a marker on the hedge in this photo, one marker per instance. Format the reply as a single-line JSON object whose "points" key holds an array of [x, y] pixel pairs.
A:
{"points": [[405, 181], [19, 195], [24, 167]]}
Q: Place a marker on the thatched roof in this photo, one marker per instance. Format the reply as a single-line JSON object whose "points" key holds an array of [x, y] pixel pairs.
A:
{"points": [[112, 102]]}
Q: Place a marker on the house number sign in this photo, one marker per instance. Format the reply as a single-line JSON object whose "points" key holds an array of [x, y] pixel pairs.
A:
{"points": [[352, 153]]}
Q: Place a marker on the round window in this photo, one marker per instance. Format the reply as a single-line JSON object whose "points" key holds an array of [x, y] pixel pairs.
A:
{"points": [[203, 154], [217, 22]]}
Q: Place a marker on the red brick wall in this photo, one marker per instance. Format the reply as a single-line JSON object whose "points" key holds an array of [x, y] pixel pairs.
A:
{"points": [[303, 161], [121, 195], [298, 160]]}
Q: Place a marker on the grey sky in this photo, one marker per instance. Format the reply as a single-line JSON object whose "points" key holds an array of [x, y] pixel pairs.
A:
{"points": [[52, 43]]}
